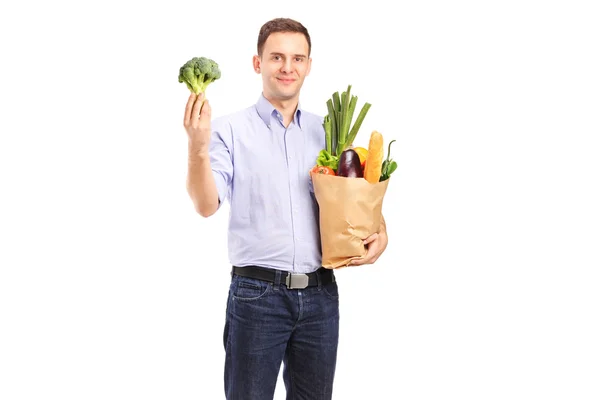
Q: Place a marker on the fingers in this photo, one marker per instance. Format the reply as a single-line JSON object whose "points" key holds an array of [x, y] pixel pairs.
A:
{"points": [[188, 109], [365, 260], [371, 238], [372, 251], [205, 111], [197, 106], [362, 261], [205, 117]]}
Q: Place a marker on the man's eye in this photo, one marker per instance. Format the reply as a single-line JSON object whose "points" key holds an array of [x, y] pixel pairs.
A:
{"points": [[299, 59]]}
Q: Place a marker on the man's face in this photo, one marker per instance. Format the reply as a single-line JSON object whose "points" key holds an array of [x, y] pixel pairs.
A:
{"points": [[283, 65]]}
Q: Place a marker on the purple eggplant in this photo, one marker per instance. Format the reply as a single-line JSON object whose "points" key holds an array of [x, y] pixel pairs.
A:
{"points": [[349, 164]]}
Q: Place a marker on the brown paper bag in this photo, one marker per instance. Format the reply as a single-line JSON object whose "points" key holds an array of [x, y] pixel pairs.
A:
{"points": [[349, 211]]}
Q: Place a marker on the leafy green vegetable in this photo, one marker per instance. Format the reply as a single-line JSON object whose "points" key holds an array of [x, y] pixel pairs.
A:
{"points": [[326, 159], [388, 166], [198, 73]]}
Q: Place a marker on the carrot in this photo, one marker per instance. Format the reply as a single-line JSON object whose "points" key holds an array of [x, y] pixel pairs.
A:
{"points": [[374, 160]]}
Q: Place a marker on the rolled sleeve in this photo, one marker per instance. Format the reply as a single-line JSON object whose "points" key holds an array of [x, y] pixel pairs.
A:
{"points": [[221, 159]]}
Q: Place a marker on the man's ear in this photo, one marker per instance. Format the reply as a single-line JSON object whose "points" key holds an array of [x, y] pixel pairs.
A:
{"points": [[309, 65], [256, 64]]}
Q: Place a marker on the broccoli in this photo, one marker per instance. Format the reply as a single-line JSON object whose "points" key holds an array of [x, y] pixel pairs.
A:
{"points": [[198, 73]]}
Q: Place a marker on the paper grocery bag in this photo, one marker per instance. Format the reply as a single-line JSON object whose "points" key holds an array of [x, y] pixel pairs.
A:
{"points": [[349, 211]]}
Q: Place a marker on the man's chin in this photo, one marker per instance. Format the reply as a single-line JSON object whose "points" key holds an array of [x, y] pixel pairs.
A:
{"points": [[286, 94]]}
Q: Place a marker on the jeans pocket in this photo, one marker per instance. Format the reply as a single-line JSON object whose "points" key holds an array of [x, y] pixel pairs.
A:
{"points": [[249, 289], [331, 290]]}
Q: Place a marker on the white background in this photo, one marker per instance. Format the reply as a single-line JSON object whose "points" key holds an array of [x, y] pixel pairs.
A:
{"points": [[111, 286]]}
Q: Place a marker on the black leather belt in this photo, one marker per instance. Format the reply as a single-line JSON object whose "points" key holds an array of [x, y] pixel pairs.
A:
{"points": [[291, 280]]}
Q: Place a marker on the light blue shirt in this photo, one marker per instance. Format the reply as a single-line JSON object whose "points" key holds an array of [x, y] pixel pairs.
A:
{"points": [[262, 169]]}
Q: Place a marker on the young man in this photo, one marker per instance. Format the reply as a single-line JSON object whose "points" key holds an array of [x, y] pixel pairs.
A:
{"points": [[282, 305]]}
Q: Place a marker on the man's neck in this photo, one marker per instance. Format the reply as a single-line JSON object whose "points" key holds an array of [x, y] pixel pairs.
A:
{"points": [[287, 108]]}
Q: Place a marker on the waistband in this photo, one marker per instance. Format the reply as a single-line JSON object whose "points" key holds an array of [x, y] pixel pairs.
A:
{"points": [[291, 280]]}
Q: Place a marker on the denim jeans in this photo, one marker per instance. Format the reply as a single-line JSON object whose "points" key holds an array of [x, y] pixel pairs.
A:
{"points": [[267, 324]]}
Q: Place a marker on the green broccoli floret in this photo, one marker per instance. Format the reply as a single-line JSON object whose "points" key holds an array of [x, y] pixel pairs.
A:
{"points": [[198, 73]]}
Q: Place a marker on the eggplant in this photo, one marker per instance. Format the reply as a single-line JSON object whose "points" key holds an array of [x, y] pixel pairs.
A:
{"points": [[349, 164]]}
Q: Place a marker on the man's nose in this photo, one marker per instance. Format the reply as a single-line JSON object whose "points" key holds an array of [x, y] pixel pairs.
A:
{"points": [[287, 65]]}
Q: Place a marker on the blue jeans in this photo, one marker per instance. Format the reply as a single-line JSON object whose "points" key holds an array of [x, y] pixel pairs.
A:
{"points": [[267, 324]]}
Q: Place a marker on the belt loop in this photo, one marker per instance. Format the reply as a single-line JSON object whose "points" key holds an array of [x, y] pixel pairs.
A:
{"points": [[277, 280], [319, 279]]}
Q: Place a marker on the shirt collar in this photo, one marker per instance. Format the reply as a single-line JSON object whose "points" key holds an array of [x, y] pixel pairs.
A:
{"points": [[265, 110]]}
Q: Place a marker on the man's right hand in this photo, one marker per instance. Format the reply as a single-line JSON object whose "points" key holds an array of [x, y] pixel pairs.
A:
{"points": [[197, 122]]}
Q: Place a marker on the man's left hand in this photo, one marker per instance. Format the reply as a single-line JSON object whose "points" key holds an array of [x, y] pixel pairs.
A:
{"points": [[376, 244]]}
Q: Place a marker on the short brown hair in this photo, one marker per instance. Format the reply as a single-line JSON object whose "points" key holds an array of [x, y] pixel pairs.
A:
{"points": [[280, 25]]}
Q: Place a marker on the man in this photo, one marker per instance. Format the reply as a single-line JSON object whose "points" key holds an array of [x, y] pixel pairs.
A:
{"points": [[282, 305]]}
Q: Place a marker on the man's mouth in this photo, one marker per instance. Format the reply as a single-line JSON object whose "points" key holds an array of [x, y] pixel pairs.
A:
{"points": [[286, 80]]}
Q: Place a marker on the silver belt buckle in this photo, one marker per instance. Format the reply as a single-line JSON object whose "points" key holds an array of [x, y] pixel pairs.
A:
{"points": [[296, 281]]}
